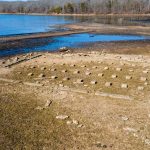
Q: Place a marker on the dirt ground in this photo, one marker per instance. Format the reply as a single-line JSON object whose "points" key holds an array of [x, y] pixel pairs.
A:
{"points": [[67, 101]]}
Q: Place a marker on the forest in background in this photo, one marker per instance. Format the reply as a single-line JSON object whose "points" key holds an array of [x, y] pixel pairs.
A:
{"points": [[77, 6]]}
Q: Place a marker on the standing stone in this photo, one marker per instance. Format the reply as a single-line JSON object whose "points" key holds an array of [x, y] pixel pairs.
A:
{"points": [[80, 81], [43, 68], [76, 72], [54, 77], [41, 75], [94, 67], [66, 79], [145, 71], [72, 65], [88, 73], [118, 69], [124, 86], [64, 71], [114, 76], [140, 88], [53, 69], [128, 77], [143, 78], [100, 74], [108, 84], [84, 66], [94, 82], [106, 68], [30, 74]]}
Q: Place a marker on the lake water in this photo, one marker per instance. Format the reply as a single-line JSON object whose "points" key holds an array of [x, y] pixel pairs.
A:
{"points": [[72, 41], [24, 24]]}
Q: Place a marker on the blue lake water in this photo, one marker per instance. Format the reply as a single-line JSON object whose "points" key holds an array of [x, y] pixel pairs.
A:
{"points": [[72, 41], [24, 24]]}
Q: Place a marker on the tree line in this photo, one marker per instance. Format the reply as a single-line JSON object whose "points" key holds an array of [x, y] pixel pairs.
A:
{"points": [[77, 6]]}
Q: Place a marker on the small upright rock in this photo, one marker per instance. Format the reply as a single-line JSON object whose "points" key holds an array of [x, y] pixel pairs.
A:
{"points": [[80, 81], [118, 69], [143, 78], [124, 86], [94, 82], [30, 74], [106, 68], [108, 84], [43, 68], [88, 73], [54, 77], [114, 76], [100, 74], [128, 77], [41, 75], [76, 72]]}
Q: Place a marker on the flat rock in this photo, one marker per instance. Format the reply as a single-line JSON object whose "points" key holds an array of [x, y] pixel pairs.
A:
{"points": [[62, 117]]}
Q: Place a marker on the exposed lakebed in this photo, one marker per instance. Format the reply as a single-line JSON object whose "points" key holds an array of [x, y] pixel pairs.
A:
{"points": [[71, 41]]}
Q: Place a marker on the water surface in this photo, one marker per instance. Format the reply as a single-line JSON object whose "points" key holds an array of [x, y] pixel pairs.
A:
{"points": [[70, 41]]}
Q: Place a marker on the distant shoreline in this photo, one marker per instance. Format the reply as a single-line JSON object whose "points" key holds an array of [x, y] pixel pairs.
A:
{"points": [[53, 14]]}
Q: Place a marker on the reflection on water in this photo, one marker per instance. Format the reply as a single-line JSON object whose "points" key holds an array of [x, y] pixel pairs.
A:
{"points": [[116, 20], [72, 41]]}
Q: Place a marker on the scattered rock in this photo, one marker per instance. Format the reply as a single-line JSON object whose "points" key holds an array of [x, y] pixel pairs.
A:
{"points": [[63, 49], [75, 122], [69, 122], [39, 108], [130, 129], [62, 117], [108, 84]]}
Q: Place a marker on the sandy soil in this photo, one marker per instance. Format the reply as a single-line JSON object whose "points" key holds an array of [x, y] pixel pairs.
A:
{"points": [[105, 97]]}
